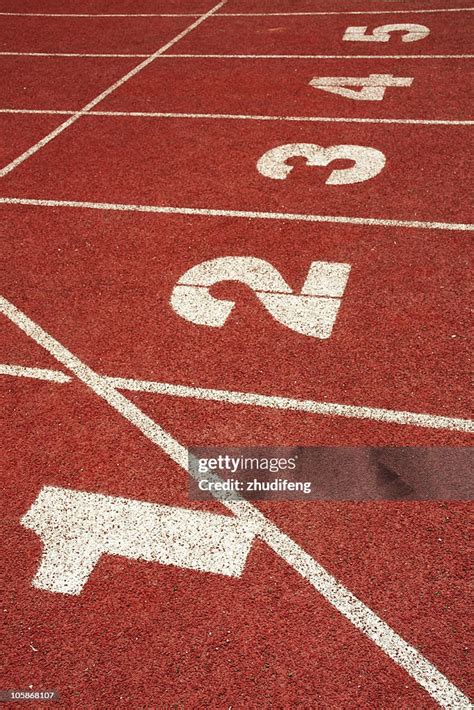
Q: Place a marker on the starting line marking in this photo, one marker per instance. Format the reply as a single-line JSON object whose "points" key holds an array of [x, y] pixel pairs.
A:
{"points": [[253, 399], [133, 72], [244, 117], [247, 214], [361, 616]]}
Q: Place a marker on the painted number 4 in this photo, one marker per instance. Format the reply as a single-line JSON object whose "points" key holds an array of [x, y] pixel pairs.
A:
{"points": [[367, 88]]}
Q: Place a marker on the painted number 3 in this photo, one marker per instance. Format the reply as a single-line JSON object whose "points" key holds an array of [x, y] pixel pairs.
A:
{"points": [[368, 162]]}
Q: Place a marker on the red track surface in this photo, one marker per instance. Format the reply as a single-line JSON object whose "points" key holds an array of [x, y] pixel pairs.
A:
{"points": [[99, 281]]}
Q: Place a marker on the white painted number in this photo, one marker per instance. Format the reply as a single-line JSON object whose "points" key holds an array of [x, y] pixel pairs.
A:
{"points": [[312, 312], [372, 87], [412, 33], [77, 528], [369, 162]]}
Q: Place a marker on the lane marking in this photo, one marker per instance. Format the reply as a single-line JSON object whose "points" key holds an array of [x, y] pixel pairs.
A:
{"points": [[243, 56], [77, 528], [245, 117], [243, 14], [246, 214], [343, 12], [65, 54], [253, 399], [38, 373], [319, 56], [361, 616], [83, 14], [133, 72]]}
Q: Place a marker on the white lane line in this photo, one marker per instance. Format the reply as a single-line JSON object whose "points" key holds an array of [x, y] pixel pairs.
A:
{"points": [[37, 373], [253, 399], [83, 14], [67, 54], [245, 117], [243, 56], [343, 12], [246, 214], [361, 616], [319, 56], [242, 14], [391, 416], [133, 72]]}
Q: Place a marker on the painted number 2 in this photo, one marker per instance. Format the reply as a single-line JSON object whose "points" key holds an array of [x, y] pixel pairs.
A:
{"points": [[311, 312], [412, 33], [368, 88]]}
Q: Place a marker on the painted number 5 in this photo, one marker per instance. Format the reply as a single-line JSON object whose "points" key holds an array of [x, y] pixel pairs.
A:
{"points": [[412, 33]]}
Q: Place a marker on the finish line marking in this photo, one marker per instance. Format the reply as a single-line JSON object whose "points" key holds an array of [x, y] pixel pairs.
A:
{"points": [[389, 416], [361, 616], [247, 214]]}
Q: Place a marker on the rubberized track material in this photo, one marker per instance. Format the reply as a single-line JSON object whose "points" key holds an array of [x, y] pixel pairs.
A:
{"points": [[147, 182]]}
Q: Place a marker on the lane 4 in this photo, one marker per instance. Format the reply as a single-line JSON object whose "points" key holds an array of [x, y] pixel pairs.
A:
{"points": [[296, 88]]}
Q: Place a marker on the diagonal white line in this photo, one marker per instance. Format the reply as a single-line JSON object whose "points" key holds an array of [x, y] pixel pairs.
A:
{"points": [[246, 214], [34, 148], [254, 399], [360, 615]]}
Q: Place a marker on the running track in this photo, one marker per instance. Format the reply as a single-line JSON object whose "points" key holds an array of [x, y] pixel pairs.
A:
{"points": [[133, 132]]}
